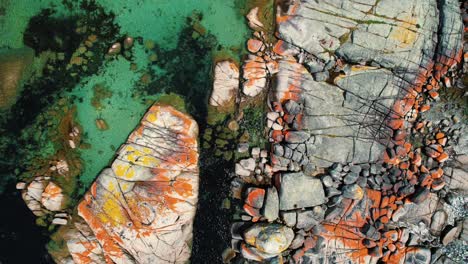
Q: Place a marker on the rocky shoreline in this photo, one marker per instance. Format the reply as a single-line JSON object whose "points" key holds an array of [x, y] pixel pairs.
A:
{"points": [[341, 130], [354, 169]]}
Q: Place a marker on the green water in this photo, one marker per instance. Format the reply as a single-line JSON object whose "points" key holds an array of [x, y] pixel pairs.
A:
{"points": [[188, 35], [158, 20]]}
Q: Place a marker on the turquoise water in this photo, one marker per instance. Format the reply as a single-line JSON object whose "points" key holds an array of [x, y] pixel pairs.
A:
{"points": [[179, 62], [159, 21]]}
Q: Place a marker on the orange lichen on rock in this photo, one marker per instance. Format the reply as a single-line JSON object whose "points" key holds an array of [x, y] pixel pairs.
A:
{"points": [[141, 209]]}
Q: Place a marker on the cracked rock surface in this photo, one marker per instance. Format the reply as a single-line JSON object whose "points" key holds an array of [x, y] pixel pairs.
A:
{"points": [[367, 165], [141, 209]]}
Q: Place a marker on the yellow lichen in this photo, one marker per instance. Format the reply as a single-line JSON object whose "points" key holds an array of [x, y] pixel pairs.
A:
{"points": [[405, 33]]}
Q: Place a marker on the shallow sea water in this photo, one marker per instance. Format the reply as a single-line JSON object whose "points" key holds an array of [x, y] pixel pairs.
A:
{"points": [[158, 20]]}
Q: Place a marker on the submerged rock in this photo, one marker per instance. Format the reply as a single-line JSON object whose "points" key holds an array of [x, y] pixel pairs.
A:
{"points": [[14, 65], [141, 209]]}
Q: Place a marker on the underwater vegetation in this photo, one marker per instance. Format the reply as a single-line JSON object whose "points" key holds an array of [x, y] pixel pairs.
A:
{"points": [[78, 83]]}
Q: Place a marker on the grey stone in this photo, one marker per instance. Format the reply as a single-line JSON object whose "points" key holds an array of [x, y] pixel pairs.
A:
{"points": [[296, 137], [310, 218], [309, 168], [337, 167], [438, 221], [298, 191], [271, 208], [414, 213], [333, 213], [365, 173], [241, 171], [243, 148], [292, 107], [297, 156], [327, 181], [458, 179], [248, 164], [351, 177], [335, 200], [321, 76], [353, 191], [451, 234], [236, 228], [273, 116], [332, 192], [314, 66], [288, 152], [297, 242], [335, 174], [346, 168], [278, 150], [356, 169], [371, 232], [289, 218], [336, 138], [255, 152], [246, 218], [362, 181]]}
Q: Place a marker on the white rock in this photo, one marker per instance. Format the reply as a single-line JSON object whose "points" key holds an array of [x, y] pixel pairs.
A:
{"points": [[255, 152], [59, 221], [268, 170], [451, 235], [255, 73], [241, 171], [20, 185], [61, 215], [226, 83], [32, 204], [62, 167], [269, 123], [269, 238], [52, 197], [248, 164], [35, 189], [277, 126], [272, 116], [252, 17], [242, 148]]}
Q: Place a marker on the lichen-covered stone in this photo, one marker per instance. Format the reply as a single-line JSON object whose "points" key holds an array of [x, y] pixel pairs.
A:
{"points": [[141, 209], [269, 238], [225, 85]]}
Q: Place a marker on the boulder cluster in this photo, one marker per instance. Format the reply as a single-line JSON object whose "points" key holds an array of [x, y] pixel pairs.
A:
{"points": [[357, 169]]}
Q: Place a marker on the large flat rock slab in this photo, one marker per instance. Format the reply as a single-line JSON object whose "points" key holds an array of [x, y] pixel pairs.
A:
{"points": [[300, 191], [398, 35], [344, 121]]}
